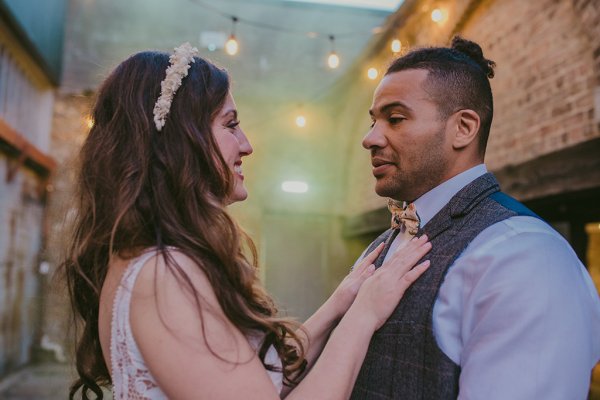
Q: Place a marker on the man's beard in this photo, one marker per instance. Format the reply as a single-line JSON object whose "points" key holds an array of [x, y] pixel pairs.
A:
{"points": [[425, 174]]}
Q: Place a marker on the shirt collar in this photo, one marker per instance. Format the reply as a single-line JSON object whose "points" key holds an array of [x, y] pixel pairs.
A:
{"points": [[433, 201]]}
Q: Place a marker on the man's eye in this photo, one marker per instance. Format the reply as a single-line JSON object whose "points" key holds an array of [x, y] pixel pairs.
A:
{"points": [[396, 120]]}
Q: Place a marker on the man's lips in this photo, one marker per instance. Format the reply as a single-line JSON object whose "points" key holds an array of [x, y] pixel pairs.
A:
{"points": [[380, 166]]}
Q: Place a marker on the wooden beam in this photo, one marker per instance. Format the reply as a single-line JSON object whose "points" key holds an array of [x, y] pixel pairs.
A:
{"points": [[16, 145], [568, 170]]}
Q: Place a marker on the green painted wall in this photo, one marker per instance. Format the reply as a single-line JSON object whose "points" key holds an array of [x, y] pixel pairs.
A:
{"points": [[40, 25]]}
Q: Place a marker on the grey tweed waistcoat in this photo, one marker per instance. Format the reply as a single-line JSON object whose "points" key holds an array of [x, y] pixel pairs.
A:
{"points": [[403, 360]]}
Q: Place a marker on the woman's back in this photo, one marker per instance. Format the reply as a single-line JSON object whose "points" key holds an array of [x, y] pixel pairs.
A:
{"points": [[130, 375], [125, 285]]}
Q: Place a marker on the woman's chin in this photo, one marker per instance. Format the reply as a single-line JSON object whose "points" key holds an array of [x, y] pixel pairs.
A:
{"points": [[239, 194]]}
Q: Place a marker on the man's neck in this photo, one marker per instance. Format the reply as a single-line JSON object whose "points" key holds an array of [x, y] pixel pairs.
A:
{"points": [[434, 200]]}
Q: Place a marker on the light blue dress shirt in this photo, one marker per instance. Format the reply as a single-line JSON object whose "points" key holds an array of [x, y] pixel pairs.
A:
{"points": [[517, 310]]}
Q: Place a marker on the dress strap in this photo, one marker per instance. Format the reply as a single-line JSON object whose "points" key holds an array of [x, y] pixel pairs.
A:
{"points": [[126, 360]]}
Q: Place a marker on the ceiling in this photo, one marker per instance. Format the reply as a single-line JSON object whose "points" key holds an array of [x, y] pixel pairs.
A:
{"points": [[280, 70], [283, 44]]}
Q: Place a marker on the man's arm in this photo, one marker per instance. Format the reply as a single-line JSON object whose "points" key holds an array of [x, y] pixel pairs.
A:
{"points": [[526, 316]]}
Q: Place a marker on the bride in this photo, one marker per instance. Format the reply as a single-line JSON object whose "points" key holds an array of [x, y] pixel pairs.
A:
{"points": [[170, 303]]}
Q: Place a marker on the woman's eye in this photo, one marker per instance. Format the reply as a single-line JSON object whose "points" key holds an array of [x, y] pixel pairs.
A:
{"points": [[372, 123], [233, 125]]}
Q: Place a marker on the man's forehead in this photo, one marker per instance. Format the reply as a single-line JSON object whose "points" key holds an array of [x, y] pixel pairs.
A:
{"points": [[400, 86]]}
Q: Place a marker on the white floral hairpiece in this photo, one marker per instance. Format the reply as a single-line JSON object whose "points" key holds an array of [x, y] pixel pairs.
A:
{"points": [[178, 69]]}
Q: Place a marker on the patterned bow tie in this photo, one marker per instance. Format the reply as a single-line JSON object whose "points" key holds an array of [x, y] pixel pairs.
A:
{"points": [[404, 216]]}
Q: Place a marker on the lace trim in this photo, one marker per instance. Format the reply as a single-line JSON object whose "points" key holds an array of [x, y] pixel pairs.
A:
{"points": [[131, 378]]}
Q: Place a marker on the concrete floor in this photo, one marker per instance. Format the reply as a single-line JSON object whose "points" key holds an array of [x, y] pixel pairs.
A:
{"points": [[48, 381], [51, 381]]}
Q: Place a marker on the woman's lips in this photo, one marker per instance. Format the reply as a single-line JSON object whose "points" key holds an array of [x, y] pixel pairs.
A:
{"points": [[237, 169]]}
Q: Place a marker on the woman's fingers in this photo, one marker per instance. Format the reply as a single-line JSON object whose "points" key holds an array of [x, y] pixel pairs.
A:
{"points": [[407, 256], [369, 259], [411, 276]]}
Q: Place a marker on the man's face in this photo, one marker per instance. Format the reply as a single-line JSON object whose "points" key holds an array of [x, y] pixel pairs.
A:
{"points": [[409, 150]]}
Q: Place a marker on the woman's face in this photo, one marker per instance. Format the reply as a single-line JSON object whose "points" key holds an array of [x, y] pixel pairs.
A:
{"points": [[233, 144]]}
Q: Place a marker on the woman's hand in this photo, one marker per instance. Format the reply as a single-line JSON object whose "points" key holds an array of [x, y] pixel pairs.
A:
{"points": [[345, 293], [381, 292]]}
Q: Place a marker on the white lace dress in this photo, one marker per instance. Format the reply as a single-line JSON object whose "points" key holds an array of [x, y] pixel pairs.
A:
{"points": [[131, 378]]}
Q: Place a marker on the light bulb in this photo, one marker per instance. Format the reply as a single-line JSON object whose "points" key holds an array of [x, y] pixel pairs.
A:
{"points": [[231, 47], [89, 122], [396, 46], [333, 60], [294, 187], [301, 121], [437, 15], [372, 73]]}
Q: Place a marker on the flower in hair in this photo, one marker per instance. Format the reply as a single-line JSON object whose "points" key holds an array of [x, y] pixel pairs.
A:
{"points": [[180, 62]]}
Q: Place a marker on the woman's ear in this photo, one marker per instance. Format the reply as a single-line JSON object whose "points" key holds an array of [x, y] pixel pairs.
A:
{"points": [[466, 124]]}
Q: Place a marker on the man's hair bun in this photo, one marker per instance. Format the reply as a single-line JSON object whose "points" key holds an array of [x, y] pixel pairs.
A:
{"points": [[474, 52]]}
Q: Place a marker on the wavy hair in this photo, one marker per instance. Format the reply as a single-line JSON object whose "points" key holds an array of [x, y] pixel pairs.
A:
{"points": [[140, 188]]}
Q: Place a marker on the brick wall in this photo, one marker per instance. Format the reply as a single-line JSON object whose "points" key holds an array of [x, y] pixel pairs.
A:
{"points": [[546, 77], [546, 90]]}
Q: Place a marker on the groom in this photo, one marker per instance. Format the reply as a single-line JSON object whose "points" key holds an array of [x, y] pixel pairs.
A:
{"points": [[506, 310]]}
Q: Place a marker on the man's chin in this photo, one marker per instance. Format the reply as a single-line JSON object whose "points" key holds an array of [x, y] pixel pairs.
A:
{"points": [[384, 190]]}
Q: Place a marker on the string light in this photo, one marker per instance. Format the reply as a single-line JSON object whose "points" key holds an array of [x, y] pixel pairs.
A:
{"points": [[333, 61], [372, 73], [231, 46], [301, 121], [437, 15], [396, 46]]}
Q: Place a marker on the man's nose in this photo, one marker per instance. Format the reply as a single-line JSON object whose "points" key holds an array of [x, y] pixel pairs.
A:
{"points": [[374, 138]]}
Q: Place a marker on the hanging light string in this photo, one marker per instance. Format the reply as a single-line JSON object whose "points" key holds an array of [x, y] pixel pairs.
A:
{"points": [[281, 29], [333, 58], [231, 46], [333, 61]]}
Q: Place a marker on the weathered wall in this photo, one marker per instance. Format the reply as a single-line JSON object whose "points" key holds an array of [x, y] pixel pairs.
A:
{"points": [[69, 128], [26, 101], [21, 221]]}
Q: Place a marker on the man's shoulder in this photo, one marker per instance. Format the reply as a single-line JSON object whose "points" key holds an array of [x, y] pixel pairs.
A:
{"points": [[521, 234], [512, 204]]}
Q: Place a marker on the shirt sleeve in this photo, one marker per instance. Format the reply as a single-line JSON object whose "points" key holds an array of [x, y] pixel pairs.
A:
{"points": [[522, 316]]}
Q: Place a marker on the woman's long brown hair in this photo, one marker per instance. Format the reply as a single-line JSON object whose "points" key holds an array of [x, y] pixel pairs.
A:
{"points": [[140, 188]]}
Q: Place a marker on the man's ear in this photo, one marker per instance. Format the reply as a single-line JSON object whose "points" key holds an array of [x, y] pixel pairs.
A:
{"points": [[465, 124]]}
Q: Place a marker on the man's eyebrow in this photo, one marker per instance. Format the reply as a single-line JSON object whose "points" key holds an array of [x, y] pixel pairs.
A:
{"points": [[386, 108], [394, 104]]}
